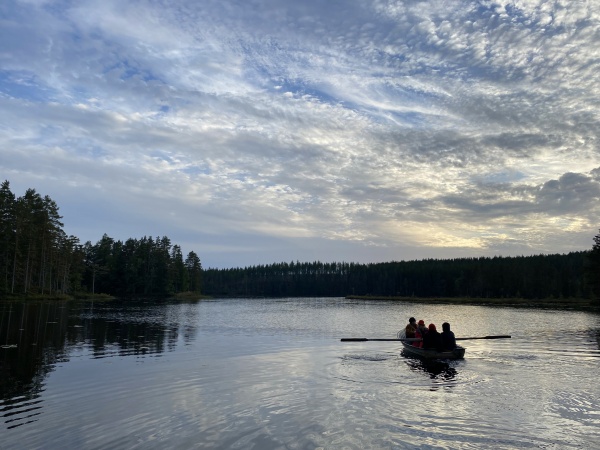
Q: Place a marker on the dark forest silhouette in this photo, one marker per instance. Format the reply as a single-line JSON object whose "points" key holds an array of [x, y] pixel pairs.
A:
{"points": [[530, 277], [37, 257]]}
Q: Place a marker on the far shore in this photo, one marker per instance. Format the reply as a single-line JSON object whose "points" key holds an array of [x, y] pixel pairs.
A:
{"points": [[557, 303], [576, 303], [95, 297], [54, 297]]}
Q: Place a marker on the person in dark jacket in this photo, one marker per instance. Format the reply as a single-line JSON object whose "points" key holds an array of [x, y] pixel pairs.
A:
{"points": [[448, 339], [433, 339]]}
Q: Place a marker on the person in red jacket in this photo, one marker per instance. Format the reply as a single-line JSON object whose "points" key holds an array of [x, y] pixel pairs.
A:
{"points": [[421, 331]]}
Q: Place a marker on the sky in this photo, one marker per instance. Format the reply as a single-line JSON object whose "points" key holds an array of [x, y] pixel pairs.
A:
{"points": [[262, 131]]}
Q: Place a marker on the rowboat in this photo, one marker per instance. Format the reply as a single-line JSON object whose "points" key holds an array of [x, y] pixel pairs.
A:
{"points": [[411, 350]]}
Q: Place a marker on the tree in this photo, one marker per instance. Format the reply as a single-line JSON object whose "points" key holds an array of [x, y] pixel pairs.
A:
{"points": [[7, 234], [37, 256], [592, 272], [178, 272], [53, 243], [194, 269], [29, 233]]}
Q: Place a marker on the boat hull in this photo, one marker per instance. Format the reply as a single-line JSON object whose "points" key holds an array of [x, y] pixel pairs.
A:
{"points": [[457, 353]]}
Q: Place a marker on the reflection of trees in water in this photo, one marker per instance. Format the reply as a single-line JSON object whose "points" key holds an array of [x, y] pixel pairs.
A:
{"points": [[32, 341], [105, 337], [129, 330], [36, 336]]}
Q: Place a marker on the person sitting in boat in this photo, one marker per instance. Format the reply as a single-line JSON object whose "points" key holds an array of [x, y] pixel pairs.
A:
{"points": [[411, 328], [448, 338], [433, 339], [421, 331]]}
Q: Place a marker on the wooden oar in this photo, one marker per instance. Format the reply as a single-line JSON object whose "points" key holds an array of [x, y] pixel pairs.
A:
{"points": [[366, 339], [503, 336]]}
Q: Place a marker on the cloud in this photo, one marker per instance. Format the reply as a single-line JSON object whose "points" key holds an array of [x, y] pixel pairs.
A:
{"points": [[572, 193], [456, 127]]}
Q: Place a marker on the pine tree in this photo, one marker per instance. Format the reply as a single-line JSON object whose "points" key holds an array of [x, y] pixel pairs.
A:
{"points": [[194, 269], [593, 268], [7, 235]]}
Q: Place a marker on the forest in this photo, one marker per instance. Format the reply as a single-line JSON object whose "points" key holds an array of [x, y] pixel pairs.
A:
{"points": [[529, 277], [38, 258]]}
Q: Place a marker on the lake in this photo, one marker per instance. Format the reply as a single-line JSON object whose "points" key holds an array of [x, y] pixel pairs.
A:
{"points": [[273, 374]]}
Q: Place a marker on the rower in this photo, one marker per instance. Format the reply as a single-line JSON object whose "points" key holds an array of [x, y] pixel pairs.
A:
{"points": [[411, 328], [448, 338]]}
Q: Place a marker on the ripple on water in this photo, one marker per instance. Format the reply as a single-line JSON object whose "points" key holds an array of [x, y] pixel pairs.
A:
{"points": [[579, 406], [363, 357], [246, 375], [20, 410], [397, 369], [441, 371]]}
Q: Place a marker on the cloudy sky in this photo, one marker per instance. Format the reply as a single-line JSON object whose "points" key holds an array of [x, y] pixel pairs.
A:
{"points": [[260, 131]]}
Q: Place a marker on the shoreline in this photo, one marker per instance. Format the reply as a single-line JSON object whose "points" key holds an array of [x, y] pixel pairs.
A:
{"points": [[98, 297], [575, 303], [556, 303]]}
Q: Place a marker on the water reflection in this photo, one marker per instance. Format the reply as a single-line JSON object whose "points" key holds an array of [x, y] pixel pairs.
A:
{"points": [[442, 372], [35, 337], [273, 373]]}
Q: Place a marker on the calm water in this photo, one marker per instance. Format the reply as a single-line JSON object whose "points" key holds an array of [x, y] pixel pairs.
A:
{"points": [[272, 374]]}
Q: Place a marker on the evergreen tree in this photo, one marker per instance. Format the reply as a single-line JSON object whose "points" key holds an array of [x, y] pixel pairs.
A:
{"points": [[37, 257], [194, 271], [178, 272], [593, 268], [7, 235]]}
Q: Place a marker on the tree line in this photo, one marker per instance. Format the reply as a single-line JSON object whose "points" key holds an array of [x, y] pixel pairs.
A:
{"points": [[38, 258], [140, 267], [529, 277]]}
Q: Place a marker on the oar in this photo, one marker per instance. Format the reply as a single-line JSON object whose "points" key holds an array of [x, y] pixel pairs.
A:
{"points": [[365, 339], [503, 336]]}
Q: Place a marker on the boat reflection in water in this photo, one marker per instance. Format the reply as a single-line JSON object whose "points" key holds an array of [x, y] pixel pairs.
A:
{"points": [[442, 372]]}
